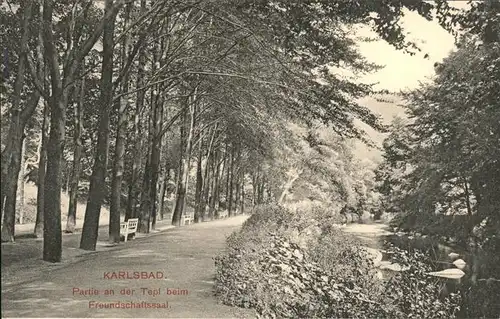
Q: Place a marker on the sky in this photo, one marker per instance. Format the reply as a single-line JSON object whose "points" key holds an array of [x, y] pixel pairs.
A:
{"points": [[402, 70]]}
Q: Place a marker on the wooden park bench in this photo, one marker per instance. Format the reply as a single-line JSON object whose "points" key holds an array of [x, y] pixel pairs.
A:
{"points": [[129, 227], [188, 218], [223, 214]]}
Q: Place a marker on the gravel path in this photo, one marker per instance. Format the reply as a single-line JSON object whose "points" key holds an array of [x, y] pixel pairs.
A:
{"points": [[182, 257]]}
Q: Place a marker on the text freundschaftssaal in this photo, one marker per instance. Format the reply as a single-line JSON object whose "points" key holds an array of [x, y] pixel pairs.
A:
{"points": [[137, 275]]}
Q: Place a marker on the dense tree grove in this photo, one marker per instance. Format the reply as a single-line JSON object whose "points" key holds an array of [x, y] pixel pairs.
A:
{"points": [[441, 172], [213, 79], [443, 159], [219, 105]]}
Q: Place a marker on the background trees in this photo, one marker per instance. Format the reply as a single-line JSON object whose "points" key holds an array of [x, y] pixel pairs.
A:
{"points": [[217, 104], [446, 160]]}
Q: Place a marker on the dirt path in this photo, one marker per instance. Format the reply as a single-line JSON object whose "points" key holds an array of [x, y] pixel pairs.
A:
{"points": [[183, 255]]}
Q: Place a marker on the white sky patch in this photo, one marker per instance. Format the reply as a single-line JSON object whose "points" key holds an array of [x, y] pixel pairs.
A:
{"points": [[402, 70]]}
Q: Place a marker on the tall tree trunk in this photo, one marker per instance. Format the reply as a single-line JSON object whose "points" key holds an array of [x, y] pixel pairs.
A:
{"points": [[20, 183], [10, 155], [163, 188], [231, 184], [269, 192], [97, 181], [52, 240], [183, 178], [260, 190], [52, 245], [119, 159], [213, 188], [155, 157], [254, 189], [176, 213], [242, 201], [237, 191], [147, 199], [9, 217], [133, 190], [227, 167], [467, 197], [13, 164], [145, 207], [42, 163], [214, 207], [206, 180], [199, 184], [77, 157]]}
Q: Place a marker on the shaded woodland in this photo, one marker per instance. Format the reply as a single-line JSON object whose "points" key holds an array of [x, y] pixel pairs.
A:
{"points": [[216, 105]]}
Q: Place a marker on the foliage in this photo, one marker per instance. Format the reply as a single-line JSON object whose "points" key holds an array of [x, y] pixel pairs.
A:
{"points": [[306, 267], [414, 294], [272, 270], [481, 301], [443, 159], [453, 228], [331, 251]]}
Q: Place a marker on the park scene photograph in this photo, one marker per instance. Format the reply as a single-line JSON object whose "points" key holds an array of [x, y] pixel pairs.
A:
{"points": [[250, 159]]}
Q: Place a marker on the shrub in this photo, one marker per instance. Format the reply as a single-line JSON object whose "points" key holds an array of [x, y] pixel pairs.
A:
{"points": [[283, 282], [341, 255], [297, 265], [481, 300], [414, 294], [277, 264]]}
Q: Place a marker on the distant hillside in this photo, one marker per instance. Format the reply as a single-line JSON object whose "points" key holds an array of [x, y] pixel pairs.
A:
{"points": [[388, 107]]}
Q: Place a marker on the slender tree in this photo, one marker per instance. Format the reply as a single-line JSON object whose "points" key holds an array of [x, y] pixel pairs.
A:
{"points": [[97, 186]]}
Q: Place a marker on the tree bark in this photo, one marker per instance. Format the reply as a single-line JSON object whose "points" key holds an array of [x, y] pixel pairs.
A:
{"points": [[145, 207], [206, 178], [97, 181], [13, 165], [147, 201], [215, 200], [11, 153], [237, 190], [254, 189], [133, 190], [199, 185], [163, 188], [212, 190], [77, 157], [231, 184], [242, 201], [119, 159], [52, 245], [9, 217], [155, 157], [20, 183], [227, 167], [260, 190], [42, 163], [52, 241], [294, 175], [467, 197], [184, 167], [176, 214]]}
